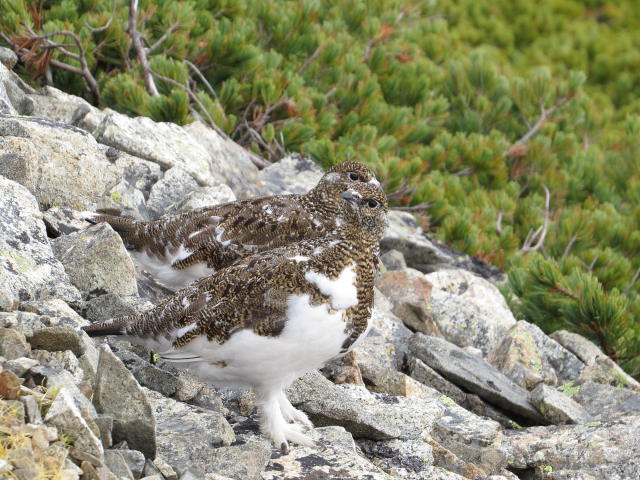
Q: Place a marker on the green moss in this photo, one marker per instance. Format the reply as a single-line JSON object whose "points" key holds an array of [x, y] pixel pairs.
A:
{"points": [[569, 389], [116, 197], [446, 400]]}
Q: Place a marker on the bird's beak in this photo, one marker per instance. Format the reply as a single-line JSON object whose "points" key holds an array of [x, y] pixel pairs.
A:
{"points": [[351, 196]]}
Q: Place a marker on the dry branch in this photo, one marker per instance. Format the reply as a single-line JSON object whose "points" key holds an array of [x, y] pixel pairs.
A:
{"points": [[136, 38], [540, 233]]}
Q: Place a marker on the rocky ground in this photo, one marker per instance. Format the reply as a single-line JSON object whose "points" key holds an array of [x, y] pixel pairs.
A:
{"points": [[448, 385]]}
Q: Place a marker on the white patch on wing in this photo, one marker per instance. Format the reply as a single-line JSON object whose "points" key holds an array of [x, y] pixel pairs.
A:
{"points": [[267, 209], [184, 330], [338, 222], [160, 267], [374, 181], [316, 222], [299, 258], [342, 290], [219, 233], [317, 250]]}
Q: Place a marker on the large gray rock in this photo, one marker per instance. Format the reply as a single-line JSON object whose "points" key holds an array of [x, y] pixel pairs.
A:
{"points": [[97, 261], [49, 102], [175, 185], [118, 394], [14, 92], [60, 164], [230, 163], [244, 461], [65, 416], [405, 236], [335, 457], [55, 312], [529, 357], [472, 373], [468, 310], [365, 415], [28, 268], [409, 292], [13, 344], [606, 451], [292, 174], [166, 144], [605, 402], [410, 459], [426, 375], [188, 436], [204, 197], [8, 58], [557, 407], [57, 378]]}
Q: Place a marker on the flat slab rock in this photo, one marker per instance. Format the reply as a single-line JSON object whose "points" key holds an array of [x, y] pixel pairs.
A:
{"points": [[335, 456], [472, 373], [363, 414]]}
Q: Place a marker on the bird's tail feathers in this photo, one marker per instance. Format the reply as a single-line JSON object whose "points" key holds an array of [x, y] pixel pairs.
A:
{"points": [[113, 326], [119, 224]]}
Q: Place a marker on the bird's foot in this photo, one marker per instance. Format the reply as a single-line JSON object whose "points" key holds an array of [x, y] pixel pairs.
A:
{"points": [[291, 414], [290, 433]]}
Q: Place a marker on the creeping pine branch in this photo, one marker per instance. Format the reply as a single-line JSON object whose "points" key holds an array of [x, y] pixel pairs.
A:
{"points": [[545, 115], [499, 222], [106, 25], [136, 39], [164, 36], [540, 233], [632, 282], [414, 208]]}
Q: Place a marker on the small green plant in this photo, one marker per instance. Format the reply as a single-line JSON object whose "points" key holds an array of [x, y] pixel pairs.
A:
{"points": [[569, 389], [446, 400]]}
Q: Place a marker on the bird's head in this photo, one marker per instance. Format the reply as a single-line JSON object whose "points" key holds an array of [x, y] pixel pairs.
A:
{"points": [[366, 208], [345, 175]]}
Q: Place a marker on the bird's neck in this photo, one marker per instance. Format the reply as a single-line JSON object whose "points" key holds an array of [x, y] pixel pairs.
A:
{"points": [[317, 201]]}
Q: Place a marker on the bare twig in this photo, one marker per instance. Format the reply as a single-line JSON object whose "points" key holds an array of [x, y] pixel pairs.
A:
{"points": [[310, 60], [401, 191], [106, 25], [499, 222], [545, 114], [414, 208], [569, 246], [593, 262], [142, 54], [633, 281], [540, 233], [201, 77], [164, 36]]}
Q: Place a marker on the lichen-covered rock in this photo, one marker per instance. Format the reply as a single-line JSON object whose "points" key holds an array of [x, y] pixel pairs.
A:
{"points": [[410, 459], [173, 187], [60, 164], [409, 292], [292, 174], [472, 373], [204, 197], [230, 163], [468, 310], [28, 268], [243, 461], [605, 450], [13, 344], [118, 394], [166, 144], [393, 260], [188, 435], [557, 407], [405, 236], [423, 373], [97, 261], [606, 402], [335, 457], [49, 102], [365, 415]]}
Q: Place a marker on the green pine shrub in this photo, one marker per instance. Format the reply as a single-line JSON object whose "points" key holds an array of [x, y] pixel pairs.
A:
{"points": [[475, 108]]}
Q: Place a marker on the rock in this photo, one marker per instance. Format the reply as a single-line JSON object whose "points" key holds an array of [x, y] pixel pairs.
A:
{"points": [[64, 220], [49, 102], [28, 268], [31, 409], [20, 365], [118, 394], [292, 174], [134, 459], [393, 260], [125, 200], [23, 322], [65, 416], [175, 185], [188, 435], [8, 301], [405, 236], [166, 144], [386, 325], [605, 402], [343, 370], [365, 415], [472, 373], [242, 462], [97, 261], [230, 163], [64, 360], [336, 458], [8, 57], [112, 305], [13, 92], [607, 451], [377, 359], [140, 174], [60, 164], [557, 407], [409, 293], [56, 378], [56, 312], [13, 344], [115, 462], [410, 459], [204, 197], [163, 468], [528, 357], [10, 386], [61, 338], [468, 310], [105, 425], [428, 376]]}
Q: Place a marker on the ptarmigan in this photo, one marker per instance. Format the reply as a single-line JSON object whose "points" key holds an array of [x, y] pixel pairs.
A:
{"points": [[180, 249], [273, 316]]}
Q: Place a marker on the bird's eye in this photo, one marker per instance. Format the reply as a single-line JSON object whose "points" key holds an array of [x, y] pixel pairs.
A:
{"points": [[373, 203], [354, 176]]}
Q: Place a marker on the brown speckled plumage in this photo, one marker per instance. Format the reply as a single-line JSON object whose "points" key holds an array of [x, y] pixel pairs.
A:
{"points": [[219, 235]]}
